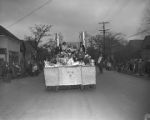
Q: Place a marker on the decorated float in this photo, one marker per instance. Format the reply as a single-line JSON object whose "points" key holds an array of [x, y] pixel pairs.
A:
{"points": [[70, 68]]}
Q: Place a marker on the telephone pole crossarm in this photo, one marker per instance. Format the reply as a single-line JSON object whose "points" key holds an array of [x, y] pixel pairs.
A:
{"points": [[104, 30]]}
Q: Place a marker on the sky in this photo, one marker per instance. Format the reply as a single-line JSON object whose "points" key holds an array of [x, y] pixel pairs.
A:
{"points": [[73, 16]]}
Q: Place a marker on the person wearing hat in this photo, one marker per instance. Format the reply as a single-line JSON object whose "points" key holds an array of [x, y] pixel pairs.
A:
{"points": [[82, 47], [81, 55], [64, 46]]}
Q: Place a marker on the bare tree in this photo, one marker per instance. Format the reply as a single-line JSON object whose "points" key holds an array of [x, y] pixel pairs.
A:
{"points": [[38, 32], [96, 44]]}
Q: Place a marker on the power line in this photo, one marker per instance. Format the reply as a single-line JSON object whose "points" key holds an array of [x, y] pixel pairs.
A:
{"points": [[30, 13]]}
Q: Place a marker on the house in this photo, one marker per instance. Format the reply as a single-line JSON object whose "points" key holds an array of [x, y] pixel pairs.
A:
{"points": [[27, 50], [145, 53], [9, 46], [136, 45]]}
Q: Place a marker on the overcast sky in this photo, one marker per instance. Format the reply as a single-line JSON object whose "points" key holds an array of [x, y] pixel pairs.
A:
{"points": [[73, 16]]}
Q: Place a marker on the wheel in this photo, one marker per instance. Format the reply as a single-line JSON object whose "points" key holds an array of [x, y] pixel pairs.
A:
{"points": [[46, 87], [82, 87], [57, 88], [94, 86]]}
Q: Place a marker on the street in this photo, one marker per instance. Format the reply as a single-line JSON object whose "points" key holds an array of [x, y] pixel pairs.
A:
{"points": [[117, 97]]}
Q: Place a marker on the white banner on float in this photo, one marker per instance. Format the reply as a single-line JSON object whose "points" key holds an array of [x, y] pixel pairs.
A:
{"points": [[51, 76], [70, 76], [75, 75], [88, 75]]}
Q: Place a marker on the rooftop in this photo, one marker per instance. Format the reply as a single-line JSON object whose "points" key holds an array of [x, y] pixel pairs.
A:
{"points": [[5, 32]]}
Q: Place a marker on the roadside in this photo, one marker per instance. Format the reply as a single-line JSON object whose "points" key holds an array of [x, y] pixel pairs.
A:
{"points": [[145, 76]]}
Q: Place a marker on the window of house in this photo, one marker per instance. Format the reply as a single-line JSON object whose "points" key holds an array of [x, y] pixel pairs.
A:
{"points": [[2, 50], [13, 57], [2, 54]]}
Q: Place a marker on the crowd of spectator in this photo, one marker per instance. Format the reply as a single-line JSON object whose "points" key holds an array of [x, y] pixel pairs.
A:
{"points": [[10, 71], [134, 66]]}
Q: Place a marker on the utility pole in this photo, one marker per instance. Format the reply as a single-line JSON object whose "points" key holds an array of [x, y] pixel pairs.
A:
{"points": [[104, 30]]}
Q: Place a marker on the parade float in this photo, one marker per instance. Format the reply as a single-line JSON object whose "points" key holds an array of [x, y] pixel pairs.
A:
{"points": [[71, 68], [63, 75]]}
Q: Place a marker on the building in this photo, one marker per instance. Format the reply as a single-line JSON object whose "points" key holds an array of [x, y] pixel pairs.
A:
{"points": [[9, 46], [27, 50], [134, 47], [135, 44], [145, 53], [141, 46]]}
